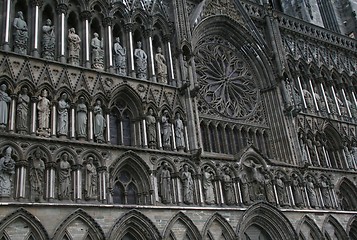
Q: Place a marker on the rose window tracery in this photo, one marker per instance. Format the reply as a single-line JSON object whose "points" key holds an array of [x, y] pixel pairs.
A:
{"points": [[226, 80]]}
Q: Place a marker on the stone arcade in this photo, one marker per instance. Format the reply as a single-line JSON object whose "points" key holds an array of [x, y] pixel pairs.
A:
{"points": [[178, 119]]}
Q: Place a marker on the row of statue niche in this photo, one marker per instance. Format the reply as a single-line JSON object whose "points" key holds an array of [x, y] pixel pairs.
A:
{"points": [[21, 36], [256, 185], [309, 100], [166, 131], [44, 111], [37, 175]]}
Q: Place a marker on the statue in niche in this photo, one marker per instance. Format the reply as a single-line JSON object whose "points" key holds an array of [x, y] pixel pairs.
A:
{"points": [[62, 110], [304, 157], [99, 122], [119, 57], [269, 188], [187, 184], [166, 130], [252, 181], [97, 52], [208, 189], [44, 110], [310, 188], [354, 152], [4, 108], [141, 62], [64, 177], [151, 128], [296, 189], [341, 105], [331, 103], [37, 175], [91, 179], [20, 34], [165, 184], [185, 73], [73, 47], [245, 187], [22, 111], [7, 169], [161, 68], [320, 152], [312, 152], [349, 157], [281, 190], [325, 192], [228, 189], [179, 130], [48, 40], [308, 98], [81, 118]]}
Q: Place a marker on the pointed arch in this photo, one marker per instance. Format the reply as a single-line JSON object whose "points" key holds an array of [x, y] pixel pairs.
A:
{"points": [[226, 229], [36, 229], [269, 220], [332, 229], [308, 228], [134, 223], [179, 221], [347, 194], [92, 228], [352, 227]]}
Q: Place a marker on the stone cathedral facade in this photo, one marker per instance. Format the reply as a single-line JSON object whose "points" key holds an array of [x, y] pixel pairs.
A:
{"points": [[178, 120]]}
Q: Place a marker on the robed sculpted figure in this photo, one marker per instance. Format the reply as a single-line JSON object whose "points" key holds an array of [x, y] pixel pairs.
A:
{"points": [[141, 62], [37, 175], [20, 34], [187, 185], [43, 110], [73, 47], [62, 110], [310, 188], [99, 122], [91, 179], [120, 57], [179, 130], [165, 184], [22, 111], [48, 40], [64, 177], [7, 170], [228, 187], [4, 108], [166, 130], [151, 128], [82, 118], [97, 52], [161, 67], [208, 187]]}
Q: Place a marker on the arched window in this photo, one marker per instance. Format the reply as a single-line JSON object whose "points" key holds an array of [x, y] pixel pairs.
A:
{"points": [[205, 138], [256, 232], [125, 189]]}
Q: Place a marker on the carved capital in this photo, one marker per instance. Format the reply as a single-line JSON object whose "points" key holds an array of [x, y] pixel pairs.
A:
{"points": [[167, 37], [37, 3], [85, 15], [108, 21], [148, 33], [62, 8], [50, 165], [21, 163], [128, 27]]}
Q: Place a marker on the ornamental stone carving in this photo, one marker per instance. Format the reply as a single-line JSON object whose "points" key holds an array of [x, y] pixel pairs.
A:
{"points": [[187, 185], [119, 57], [140, 62], [22, 111], [97, 52], [20, 34], [73, 47], [7, 170], [43, 112], [48, 40], [164, 184], [37, 171], [4, 108], [64, 177]]}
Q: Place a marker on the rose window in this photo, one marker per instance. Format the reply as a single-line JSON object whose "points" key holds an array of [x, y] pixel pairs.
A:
{"points": [[226, 80]]}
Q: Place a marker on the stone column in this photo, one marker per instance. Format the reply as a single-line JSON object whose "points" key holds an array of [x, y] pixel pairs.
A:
{"points": [[325, 98], [145, 139], [54, 119], [159, 139], [72, 119], [77, 182], [61, 33], [33, 116], [173, 145], [36, 5], [50, 180], [170, 63], [150, 53], [86, 16], [108, 46], [12, 114], [90, 125], [107, 117], [131, 63], [335, 100], [7, 18], [21, 167]]}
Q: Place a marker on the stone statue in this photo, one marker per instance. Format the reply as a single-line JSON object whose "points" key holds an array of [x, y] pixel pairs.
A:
{"points": [[37, 175], [310, 188], [97, 52], [165, 184], [269, 188], [187, 184], [81, 118], [228, 189], [141, 62], [185, 74], [63, 121], [208, 189], [308, 98], [4, 108], [22, 111], [120, 57], [151, 128], [161, 68], [348, 155], [44, 110], [245, 187], [296, 189], [281, 191], [166, 131], [7, 169], [73, 47], [64, 177], [325, 192], [91, 179], [48, 41], [20, 34], [99, 122], [179, 130]]}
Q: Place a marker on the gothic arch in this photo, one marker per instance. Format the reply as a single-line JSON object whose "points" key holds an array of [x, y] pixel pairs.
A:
{"points": [[94, 231], [226, 229], [72, 155], [332, 229], [35, 227], [352, 227], [269, 219], [43, 149], [182, 221], [25, 83], [311, 229], [135, 223], [253, 153], [129, 95], [93, 153], [347, 194]]}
